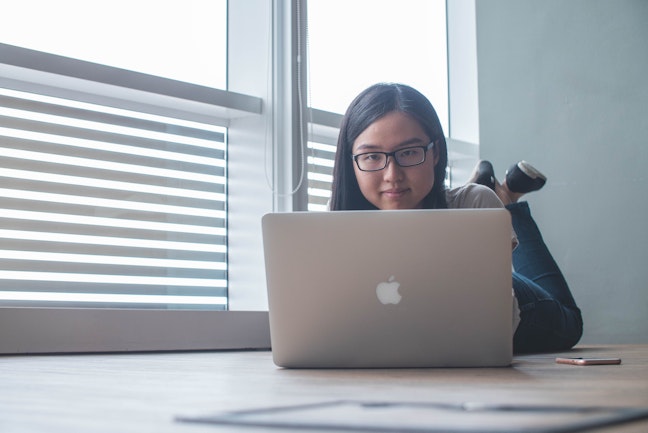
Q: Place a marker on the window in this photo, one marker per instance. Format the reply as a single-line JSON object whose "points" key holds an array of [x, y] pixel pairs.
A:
{"points": [[179, 130], [398, 41], [235, 124], [401, 41], [110, 206], [181, 40]]}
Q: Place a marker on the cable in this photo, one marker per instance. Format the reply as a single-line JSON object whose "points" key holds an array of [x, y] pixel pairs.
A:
{"points": [[300, 104]]}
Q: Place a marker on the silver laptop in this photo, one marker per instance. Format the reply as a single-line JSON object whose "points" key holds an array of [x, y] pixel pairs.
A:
{"points": [[389, 289]]}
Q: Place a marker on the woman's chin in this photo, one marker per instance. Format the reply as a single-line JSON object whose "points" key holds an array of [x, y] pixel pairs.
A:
{"points": [[398, 205]]}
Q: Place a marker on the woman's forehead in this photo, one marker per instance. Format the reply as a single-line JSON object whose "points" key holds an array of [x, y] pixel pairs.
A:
{"points": [[394, 129]]}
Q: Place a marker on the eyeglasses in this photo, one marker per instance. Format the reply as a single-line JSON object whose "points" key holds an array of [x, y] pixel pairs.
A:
{"points": [[406, 157]]}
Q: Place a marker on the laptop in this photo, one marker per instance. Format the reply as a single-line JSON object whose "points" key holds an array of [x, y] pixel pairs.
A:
{"points": [[389, 289]]}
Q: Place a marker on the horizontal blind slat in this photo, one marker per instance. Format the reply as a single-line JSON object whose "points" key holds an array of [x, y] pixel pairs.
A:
{"points": [[124, 280], [126, 140], [132, 205], [113, 300], [63, 213], [35, 260], [136, 254], [108, 118], [115, 190], [166, 169], [110, 236], [92, 270], [168, 153], [97, 177], [66, 223], [64, 238]]}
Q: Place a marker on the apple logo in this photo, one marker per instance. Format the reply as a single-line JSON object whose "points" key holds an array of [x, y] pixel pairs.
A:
{"points": [[387, 291]]}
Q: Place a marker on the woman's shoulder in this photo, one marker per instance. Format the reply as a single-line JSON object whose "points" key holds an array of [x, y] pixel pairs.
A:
{"points": [[472, 195]]}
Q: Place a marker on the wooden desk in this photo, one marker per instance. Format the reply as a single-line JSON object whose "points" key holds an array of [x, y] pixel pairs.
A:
{"points": [[144, 392]]}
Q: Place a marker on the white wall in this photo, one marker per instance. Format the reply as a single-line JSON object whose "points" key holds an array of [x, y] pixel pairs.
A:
{"points": [[564, 85]]}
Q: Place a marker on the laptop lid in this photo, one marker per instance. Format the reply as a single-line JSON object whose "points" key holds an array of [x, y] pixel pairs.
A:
{"points": [[379, 289]]}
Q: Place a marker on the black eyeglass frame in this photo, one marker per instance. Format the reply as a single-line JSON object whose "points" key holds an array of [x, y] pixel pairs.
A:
{"points": [[393, 155]]}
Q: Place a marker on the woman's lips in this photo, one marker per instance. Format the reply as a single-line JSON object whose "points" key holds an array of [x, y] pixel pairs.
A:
{"points": [[395, 193]]}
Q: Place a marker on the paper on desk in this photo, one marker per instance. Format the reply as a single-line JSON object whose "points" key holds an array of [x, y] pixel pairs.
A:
{"points": [[424, 417]]}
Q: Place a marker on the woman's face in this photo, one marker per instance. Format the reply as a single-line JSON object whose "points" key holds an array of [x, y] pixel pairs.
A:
{"points": [[395, 187]]}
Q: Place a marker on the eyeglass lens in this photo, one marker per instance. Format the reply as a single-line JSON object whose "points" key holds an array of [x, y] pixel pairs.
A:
{"points": [[378, 160]]}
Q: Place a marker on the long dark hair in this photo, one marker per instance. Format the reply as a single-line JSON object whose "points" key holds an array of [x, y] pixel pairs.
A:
{"points": [[369, 106]]}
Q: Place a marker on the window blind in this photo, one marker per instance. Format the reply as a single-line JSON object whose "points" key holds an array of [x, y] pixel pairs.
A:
{"points": [[323, 131], [102, 207], [320, 174]]}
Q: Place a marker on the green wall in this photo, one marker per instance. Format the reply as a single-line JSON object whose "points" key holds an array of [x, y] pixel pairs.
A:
{"points": [[564, 85]]}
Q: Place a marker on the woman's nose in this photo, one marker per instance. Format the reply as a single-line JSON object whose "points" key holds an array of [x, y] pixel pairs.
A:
{"points": [[392, 170]]}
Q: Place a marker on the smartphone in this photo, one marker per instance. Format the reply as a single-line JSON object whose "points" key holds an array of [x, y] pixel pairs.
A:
{"points": [[589, 361]]}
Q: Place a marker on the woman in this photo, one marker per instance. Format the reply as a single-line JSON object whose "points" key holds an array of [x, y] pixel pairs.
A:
{"points": [[392, 154]]}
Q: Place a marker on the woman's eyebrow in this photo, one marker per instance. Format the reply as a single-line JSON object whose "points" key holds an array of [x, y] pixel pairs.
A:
{"points": [[370, 147]]}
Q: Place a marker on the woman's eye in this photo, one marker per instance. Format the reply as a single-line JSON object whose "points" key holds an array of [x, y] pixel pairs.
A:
{"points": [[410, 152], [371, 157]]}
